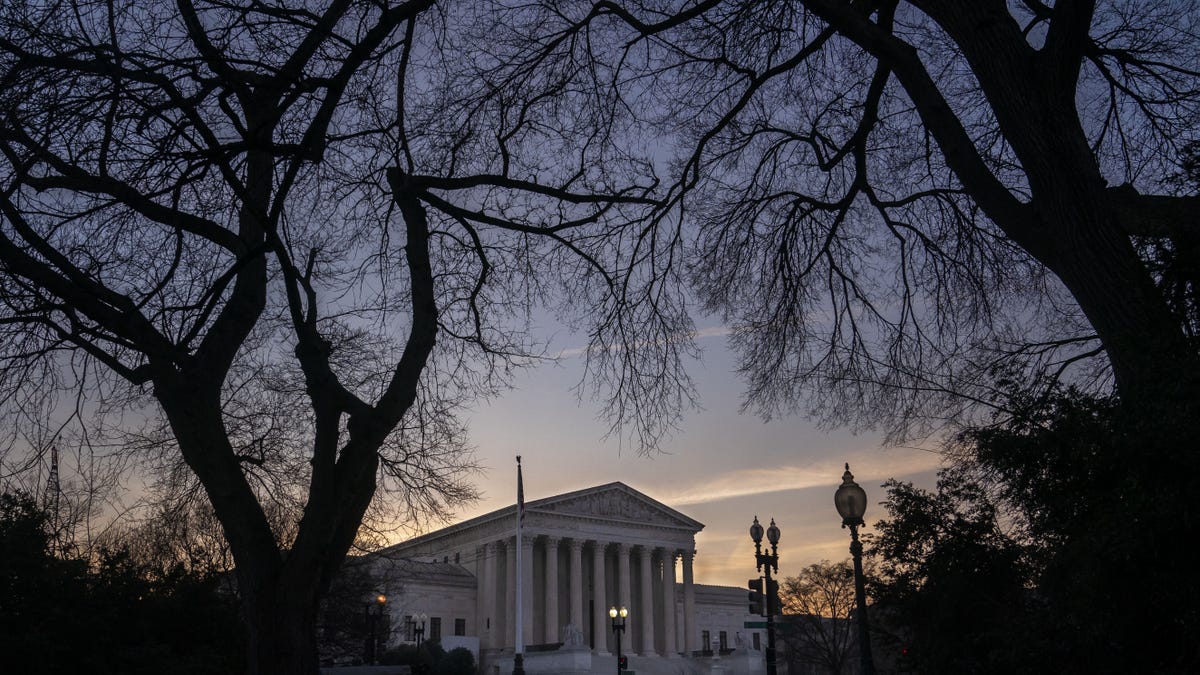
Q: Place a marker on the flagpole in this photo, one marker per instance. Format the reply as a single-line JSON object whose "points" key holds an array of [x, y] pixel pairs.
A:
{"points": [[519, 649]]}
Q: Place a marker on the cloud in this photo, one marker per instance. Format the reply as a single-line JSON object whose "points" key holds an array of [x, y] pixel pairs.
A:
{"points": [[866, 465], [712, 331]]}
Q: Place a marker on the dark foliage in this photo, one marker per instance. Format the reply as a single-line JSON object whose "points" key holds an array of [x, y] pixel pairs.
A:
{"points": [[431, 659], [457, 661], [1054, 540], [112, 616], [423, 659], [951, 580]]}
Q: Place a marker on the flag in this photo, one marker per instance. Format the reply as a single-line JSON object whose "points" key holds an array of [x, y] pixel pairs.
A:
{"points": [[519, 647], [520, 494]]}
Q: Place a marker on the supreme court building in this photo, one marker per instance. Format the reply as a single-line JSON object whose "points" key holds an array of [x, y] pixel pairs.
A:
{"points": [[582, 552]]}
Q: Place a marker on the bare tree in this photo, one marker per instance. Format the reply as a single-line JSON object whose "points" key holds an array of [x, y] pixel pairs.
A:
{"points": [[896, 204], [817, 606], [281, 243], [296, 238]]}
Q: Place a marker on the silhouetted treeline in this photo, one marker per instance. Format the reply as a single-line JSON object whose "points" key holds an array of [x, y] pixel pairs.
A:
{"points": [[107, 614], [1045, 544]]}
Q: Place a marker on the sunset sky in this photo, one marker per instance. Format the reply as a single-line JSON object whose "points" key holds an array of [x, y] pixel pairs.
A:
{"points": [[722, 468]]}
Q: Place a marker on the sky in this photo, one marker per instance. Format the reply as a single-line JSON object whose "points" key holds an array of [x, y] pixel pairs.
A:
{"points": [[721, 468]]}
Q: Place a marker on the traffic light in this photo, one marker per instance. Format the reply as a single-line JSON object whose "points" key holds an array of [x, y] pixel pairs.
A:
{"points": [[772, 600], [623, 663], [756, 596]]}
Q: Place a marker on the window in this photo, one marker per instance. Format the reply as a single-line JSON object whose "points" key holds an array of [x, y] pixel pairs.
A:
{"points": [[705, 642], [724, 641], [460, 626], [435, 628], [410, 627], [757, 643]]}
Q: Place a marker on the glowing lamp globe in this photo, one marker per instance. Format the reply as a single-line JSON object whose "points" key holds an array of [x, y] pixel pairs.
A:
{"points": [[850, 500]]}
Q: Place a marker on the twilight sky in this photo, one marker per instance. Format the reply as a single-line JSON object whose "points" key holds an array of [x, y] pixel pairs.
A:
{"points": [[722, 468]]}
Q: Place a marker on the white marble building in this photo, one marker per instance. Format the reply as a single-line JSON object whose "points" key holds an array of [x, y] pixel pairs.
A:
{"points": [[583, 552]]}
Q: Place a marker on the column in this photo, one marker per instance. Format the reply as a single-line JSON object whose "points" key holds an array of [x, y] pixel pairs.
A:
{"points": [[668, 601], [646, 621], [480, 591], [487, 593], [577, 585], [510, 593], [624, 594], [600, 606], [526, 590], [551, 590], [690, 638]]}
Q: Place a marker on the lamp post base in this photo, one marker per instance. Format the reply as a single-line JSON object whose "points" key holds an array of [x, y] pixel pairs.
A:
{"points": [[518, 664]]}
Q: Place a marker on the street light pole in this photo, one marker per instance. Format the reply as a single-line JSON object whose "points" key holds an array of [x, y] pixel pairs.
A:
{"points": [[618, 625], [851, 503], [372, 624], [419, 627], [765, 563]]}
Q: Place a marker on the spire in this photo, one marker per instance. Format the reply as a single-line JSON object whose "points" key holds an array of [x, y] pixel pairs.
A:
{"points": [[52, 499]]}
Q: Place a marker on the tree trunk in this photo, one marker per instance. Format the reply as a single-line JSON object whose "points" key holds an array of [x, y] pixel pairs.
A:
{"points": [[1145, 344], [280, 626], [278, 602], [1089, 249], [1072, 228]]}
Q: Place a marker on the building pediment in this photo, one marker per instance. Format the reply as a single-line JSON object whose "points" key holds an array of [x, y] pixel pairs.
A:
{"points": [[614, 506], [614, 502]]}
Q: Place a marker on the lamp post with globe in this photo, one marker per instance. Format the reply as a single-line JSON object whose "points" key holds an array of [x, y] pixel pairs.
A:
{"points": [[851, 503], [618, 617], [766, 563]]}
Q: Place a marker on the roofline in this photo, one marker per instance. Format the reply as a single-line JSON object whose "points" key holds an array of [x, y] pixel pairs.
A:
{"points": [[509, 511], [620, 486]]}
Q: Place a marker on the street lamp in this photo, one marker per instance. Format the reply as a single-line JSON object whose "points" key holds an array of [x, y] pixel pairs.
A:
{"points": [[373, 619], [419, 627], [766, 563], [851, 503], [618, 625]]}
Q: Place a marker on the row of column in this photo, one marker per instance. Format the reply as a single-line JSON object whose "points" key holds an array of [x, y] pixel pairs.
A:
{"points": [[642, 622]]}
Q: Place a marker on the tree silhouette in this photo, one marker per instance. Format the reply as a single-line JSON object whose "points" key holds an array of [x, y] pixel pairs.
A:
{"points": [[107, 612], [954, 586], [891, 202], [296, 239], [1034, 537], [817, 605]]}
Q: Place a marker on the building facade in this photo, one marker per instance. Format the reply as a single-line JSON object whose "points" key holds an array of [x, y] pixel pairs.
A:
{"points": [[582, 552]]}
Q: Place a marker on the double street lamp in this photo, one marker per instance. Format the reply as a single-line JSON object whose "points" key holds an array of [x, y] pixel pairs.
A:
{"points": [[618, 625], [766, 563], [419, 627], [373, 619], [851, 503]]}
